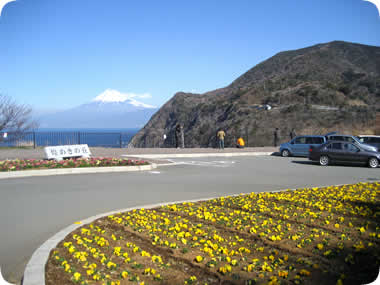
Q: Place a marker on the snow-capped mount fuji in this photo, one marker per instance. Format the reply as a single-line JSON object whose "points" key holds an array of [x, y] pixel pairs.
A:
{"points": [[111, 96], [110, 109]]}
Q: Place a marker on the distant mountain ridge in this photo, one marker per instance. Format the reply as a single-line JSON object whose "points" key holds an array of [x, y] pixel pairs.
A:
{"points": [[111, 109], [331, 86]]}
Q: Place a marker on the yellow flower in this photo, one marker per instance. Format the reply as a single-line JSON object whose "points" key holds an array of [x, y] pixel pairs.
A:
{"points": [[144, 253], [156, 258], [320, 246], [304, 272], [283, 274], [199, 259], [77, 276], [124, 274], [111, 265]]}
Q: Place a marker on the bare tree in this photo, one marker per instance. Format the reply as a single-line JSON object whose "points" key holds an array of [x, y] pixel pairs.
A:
{"points": [[14, 117]]}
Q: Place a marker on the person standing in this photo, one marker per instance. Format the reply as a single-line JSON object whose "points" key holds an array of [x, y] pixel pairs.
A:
{"points": [[177, 135], [275, 137], [182, 137], [292, 134], [221, 134]]}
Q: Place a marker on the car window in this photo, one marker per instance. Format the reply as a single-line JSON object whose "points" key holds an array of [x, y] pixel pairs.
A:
{"points": [[335, 138], [363, 140], [372, 140], [352, 148], [350, 139], [337, 146], [317, 140], [300, 140], [309, 140]]}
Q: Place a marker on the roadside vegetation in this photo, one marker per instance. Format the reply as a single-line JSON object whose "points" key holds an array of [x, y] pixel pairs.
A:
{"points": [[30, 164], [327, 235]]}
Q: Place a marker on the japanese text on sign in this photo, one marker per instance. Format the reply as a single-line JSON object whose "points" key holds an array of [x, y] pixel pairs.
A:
{"points": [[65, 151]]}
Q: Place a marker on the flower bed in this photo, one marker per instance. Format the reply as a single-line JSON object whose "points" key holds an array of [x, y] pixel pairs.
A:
{"points": [[324, 235], [28, 164]]}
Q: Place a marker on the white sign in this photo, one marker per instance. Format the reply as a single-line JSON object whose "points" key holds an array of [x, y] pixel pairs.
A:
{"points": [[65, 151]]}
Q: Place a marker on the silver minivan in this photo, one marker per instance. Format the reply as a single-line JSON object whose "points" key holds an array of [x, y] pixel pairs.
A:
{"points": [[352, 139], [371, 140], [300, 145]]}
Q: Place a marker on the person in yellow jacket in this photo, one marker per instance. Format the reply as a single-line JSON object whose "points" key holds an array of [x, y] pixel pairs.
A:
{"points": [[221, 134], [240, 143]]}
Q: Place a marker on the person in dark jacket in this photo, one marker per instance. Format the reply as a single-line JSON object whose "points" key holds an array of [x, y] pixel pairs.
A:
{"points": [[275, 137], [177, 135], [292, 134]]}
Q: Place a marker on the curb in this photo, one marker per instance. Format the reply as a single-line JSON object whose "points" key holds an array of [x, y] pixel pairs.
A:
{"points": [[84, 170], [184, 155]]}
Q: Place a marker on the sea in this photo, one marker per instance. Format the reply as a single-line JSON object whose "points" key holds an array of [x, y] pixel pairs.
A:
{"points": [[58, 136]]}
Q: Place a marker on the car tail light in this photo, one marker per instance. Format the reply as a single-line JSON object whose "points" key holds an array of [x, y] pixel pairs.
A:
{"points": [[311, 148]]}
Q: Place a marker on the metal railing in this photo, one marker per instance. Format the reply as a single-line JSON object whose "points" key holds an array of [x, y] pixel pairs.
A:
{"points": [[40, 139]]}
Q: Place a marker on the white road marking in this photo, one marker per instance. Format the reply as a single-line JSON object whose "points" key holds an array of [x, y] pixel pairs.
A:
{"points": [[154, 172], [215, 163]]}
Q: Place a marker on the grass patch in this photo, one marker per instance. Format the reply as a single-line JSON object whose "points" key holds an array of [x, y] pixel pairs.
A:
{"points": [[324, 235]]}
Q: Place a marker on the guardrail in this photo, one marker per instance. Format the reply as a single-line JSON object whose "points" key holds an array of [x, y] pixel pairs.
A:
{"points": [[38, 139]]}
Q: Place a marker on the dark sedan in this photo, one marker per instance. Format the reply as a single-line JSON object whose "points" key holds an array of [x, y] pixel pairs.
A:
{"points": [[343, 152]]}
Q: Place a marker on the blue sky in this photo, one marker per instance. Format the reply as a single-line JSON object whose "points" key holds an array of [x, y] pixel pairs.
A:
{"points": [[57, 54]]}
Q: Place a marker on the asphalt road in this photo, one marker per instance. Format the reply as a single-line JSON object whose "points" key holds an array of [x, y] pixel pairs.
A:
{"points": [[33, 209]]}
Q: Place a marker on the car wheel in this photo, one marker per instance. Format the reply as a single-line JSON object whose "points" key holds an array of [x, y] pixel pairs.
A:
{"points": [[285, 153], [373, 162], [324, 160]]}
